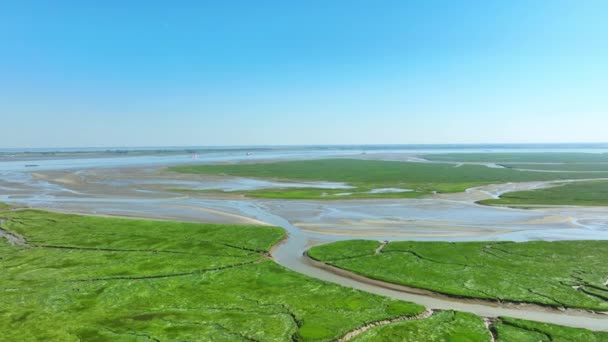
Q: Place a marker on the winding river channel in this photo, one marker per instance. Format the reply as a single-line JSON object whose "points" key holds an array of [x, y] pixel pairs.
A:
{"points": [[141, 187]]}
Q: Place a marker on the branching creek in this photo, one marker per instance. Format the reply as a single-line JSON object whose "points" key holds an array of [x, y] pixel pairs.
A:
{"points": [[120, 191]]}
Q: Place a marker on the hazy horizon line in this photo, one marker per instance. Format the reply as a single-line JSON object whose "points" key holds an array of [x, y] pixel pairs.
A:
{"points": [[172, 147]]}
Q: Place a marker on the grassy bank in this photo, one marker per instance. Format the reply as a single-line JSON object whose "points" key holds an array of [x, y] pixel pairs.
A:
{"points": [[510, 329], [457, 326], [594, 193], [367, 175], [561, 273], [442, 326], [91, 278]]}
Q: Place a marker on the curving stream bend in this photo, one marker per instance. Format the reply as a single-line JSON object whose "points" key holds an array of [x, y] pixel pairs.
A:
{"points": [[452, 217]]}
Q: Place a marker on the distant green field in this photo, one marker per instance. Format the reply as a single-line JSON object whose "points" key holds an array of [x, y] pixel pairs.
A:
{"points": [[308, 193], [594, 193], [561, 167], [104, 279], [365, 175], [523, 157], [561, 273]]}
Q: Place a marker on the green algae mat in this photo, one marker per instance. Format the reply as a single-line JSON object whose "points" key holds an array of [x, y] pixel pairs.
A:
{"points": [[560, 274]]}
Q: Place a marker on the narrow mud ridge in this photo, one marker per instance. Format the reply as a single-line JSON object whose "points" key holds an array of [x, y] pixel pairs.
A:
{"points": [[102, 249], [489, 324], [238, 335], [132, 334], [560, 304], [589, 293], [350, 335], [234, 333], [284, 310], [381, 247], [421, 257], [13, 239], [259, 251], [583, 285], [534, 330], [172, 275]]}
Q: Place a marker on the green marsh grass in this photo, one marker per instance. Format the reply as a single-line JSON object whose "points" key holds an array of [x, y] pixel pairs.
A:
{"points": [[510, 329], [97, 279], [521, 157], [582, 167], [592, 193], [442, 326], [365, 175], [559, 274]]}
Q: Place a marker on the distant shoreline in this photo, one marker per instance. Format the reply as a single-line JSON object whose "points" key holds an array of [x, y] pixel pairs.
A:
{"points": [[371, 147]]}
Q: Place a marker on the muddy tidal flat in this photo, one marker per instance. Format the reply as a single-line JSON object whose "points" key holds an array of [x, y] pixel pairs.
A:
{"points": [[138, 188]]}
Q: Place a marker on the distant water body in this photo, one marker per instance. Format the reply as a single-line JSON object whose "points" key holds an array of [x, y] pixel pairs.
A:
{"points": [[21, 159], [414, 148]]}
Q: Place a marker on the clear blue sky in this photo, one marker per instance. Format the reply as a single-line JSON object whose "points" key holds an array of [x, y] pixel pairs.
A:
{"points": [[141, 73]]}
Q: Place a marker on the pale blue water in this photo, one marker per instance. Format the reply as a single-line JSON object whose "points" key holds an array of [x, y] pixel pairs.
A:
{"points": [[440, 148], [180, 155]]}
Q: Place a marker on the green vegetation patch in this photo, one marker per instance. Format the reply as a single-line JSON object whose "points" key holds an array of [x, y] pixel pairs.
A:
{"points": [[593, 193], [561, 273], [344, 250], [584, 167], [441, 326], [308, 193], [45, 228], [366, 175], [92, 278], [521, 157], [464, 327], [510, 329]]}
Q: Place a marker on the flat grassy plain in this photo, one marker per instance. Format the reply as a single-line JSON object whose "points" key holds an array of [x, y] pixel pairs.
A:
{"points": [[365, 175], [594, 193], [521, 157], [99, 279], [561, 274]]}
